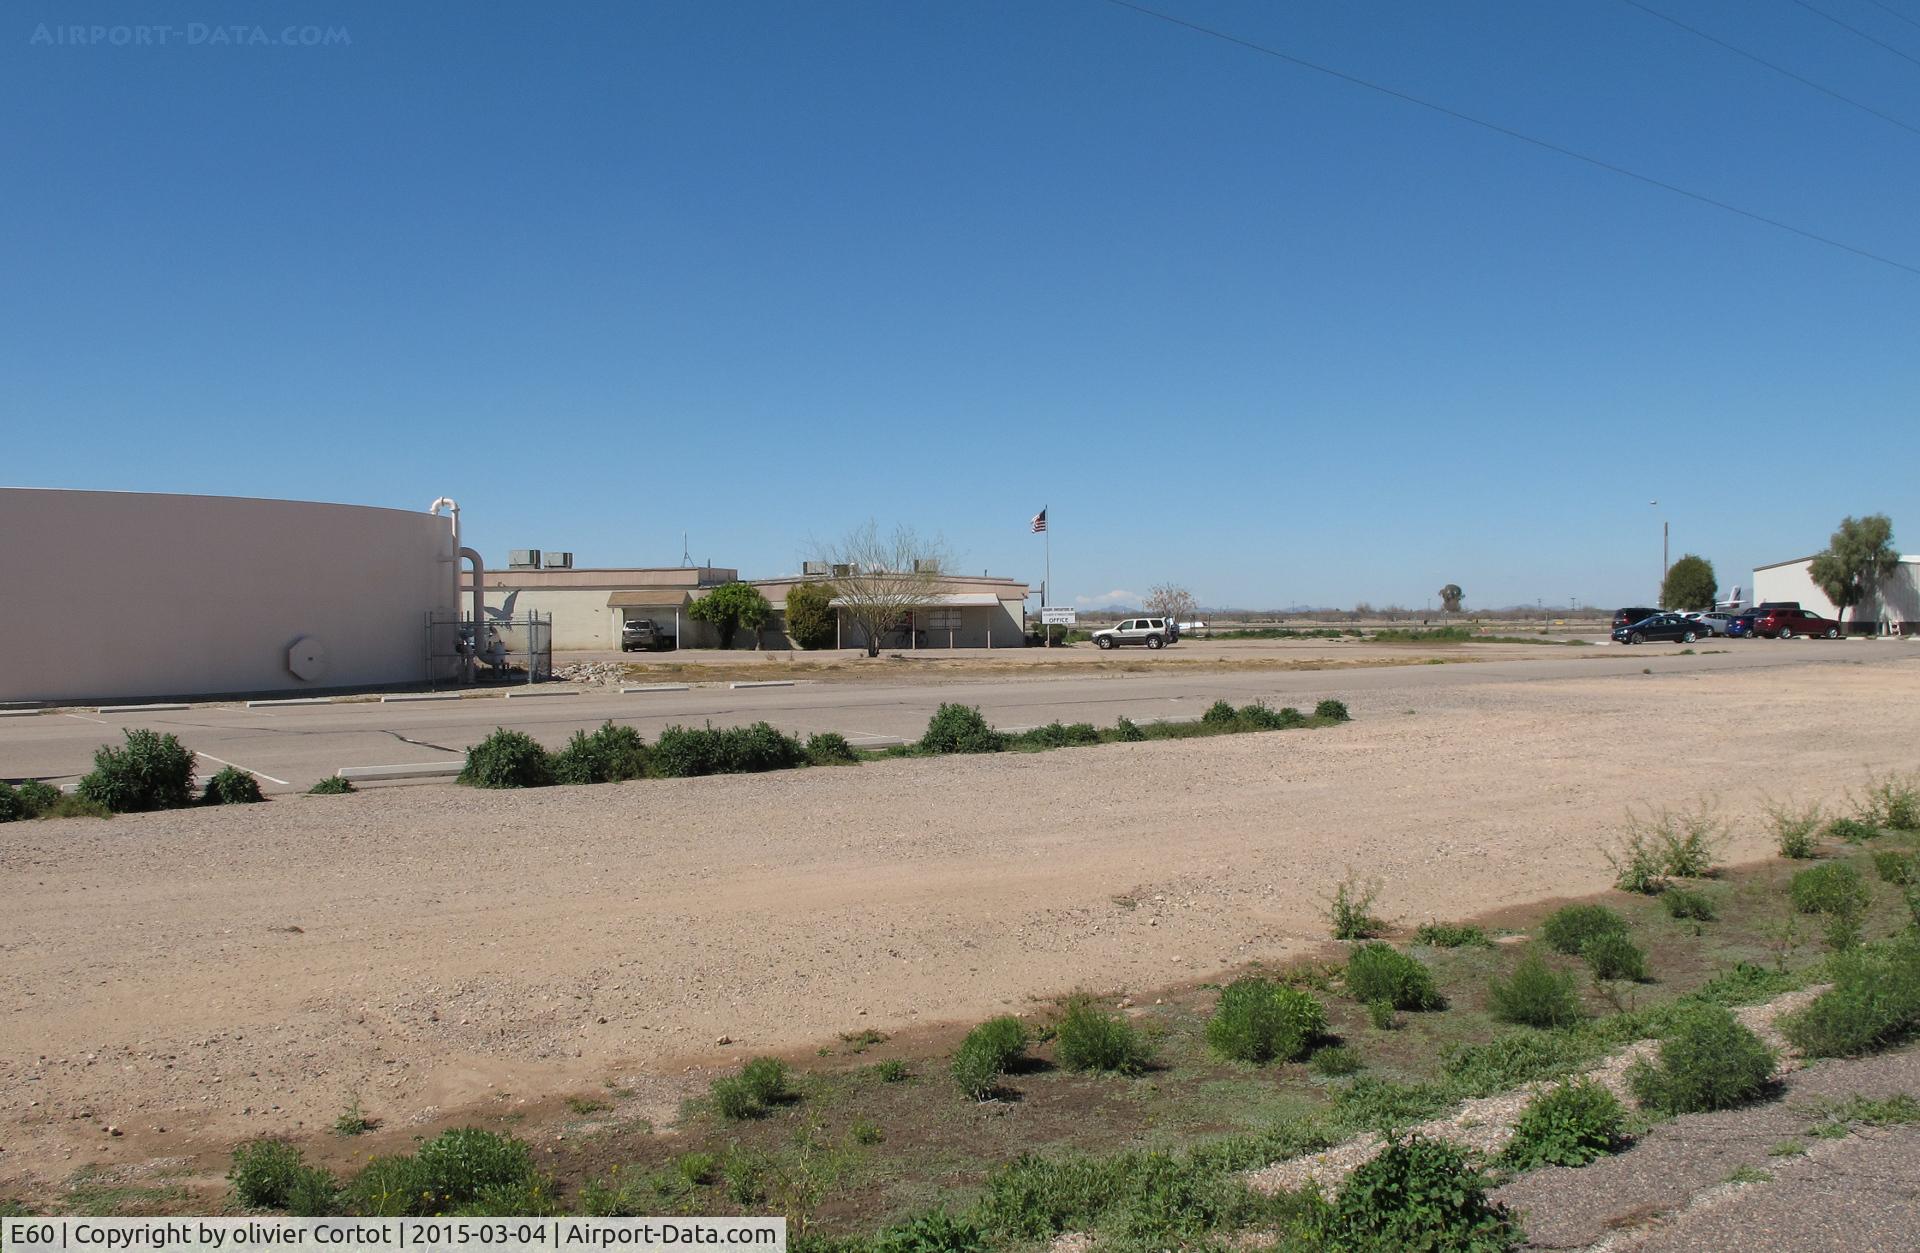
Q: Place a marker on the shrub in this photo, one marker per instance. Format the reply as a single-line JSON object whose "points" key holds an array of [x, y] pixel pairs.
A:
{"points": [[264, 1172], [1332, 711], [1852, 830], [1687, 903], [151, 771], [1380, 1015], [1090, 1038], [1636, 864], [1614, 956], [1570, 1125], [685, 752], [1127, 731], [1258, 717], [960, 729], [733, 1100], [1220, 714], [758, 748], [332, 785], [507, 759], [458, 1165], [1258, 1020], [1569, 928], [1347, 908], [766, 1079], [1874, 1002], [1451, 935], [1892, 801], [389, 1187], [39, 797], [1536, 995], [1666, 843], [1707, 1061], [810, 622], [985, 1054], [1895, 867], [611, 754], [1380, 972], [1794, 829], [1419, 1194], [12, 808], [893, 1070], [830, 748], [232, 786], [1335, 1061], [1834, 890]]}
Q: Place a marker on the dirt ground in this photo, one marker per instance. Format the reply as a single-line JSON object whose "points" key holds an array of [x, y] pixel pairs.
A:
{"points": [[192, 978]]}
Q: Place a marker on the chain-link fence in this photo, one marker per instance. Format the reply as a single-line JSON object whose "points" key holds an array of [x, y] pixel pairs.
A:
{"points": [[503, 650]]}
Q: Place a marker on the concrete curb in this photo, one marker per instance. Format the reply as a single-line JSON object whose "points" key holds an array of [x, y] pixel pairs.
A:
{"points": [[880, 741], [19, 713], [291, 700], [139, 709], [764, 683], [412, 696], [414, 770], [522, 695], [656, 687]]}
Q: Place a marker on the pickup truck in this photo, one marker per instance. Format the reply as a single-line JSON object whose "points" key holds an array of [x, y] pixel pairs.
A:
{"points": [[644, 633]]}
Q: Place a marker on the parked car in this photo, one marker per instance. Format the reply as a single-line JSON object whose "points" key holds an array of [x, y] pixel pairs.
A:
{"points": [[643, 633], [1741, 628], [1627, 617], [1718, 621], [1659, 626], [1153, 632], [1784, 624]]}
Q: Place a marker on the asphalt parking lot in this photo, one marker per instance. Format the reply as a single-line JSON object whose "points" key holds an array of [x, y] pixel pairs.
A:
{"points": [[289, 747]]}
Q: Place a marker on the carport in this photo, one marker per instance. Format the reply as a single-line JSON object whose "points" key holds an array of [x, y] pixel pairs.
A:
{"points": [[949, 620], [657, 605]]}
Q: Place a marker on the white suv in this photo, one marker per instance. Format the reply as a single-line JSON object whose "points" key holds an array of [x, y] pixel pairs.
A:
{"points": [[1153, 632]]}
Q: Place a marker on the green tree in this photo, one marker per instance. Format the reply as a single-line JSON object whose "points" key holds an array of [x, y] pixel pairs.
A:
{"points": [[730, 607], [810, 615], [1858, 556], [1452, 597], [1690, 584]]}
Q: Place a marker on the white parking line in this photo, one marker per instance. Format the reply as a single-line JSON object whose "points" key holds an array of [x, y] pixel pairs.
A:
{"points": [[102, 721], [237, 766]]}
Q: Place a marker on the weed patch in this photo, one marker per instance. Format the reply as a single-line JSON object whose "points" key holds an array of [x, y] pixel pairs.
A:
{"points": [[1349, 908], [1258, 1020], [1535, 995], [150, 771], [332, 785], [1570, 928], [232, 786], [983, 1057], [1795, 828], [1707, 1061], [1874, 1002], [1451, 935], [1379, 972], [1570, 1125], [507, 759], [1088, 1037]]}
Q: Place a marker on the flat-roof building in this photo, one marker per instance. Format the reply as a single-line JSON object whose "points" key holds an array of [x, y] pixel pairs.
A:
{"points": [[1895, 606]]}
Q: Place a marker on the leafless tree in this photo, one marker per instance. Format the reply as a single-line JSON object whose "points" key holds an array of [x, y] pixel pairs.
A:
{"points": [[1170, 600], [878, 580]]}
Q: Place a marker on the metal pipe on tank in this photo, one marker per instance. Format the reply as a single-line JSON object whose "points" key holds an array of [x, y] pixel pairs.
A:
{"points": [[479, 605], [472, 646]]}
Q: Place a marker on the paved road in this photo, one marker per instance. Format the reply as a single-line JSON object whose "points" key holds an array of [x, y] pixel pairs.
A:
{"points": [[289, 747]]}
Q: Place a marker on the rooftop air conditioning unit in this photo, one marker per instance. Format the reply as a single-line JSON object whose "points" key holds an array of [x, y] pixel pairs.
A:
{"points": [[524, 559], [842, 571], [926, 565], [558, 561], [813, 567]]}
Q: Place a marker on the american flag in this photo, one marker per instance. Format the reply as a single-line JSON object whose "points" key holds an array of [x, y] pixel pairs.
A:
{"points": [[1040, 521]]}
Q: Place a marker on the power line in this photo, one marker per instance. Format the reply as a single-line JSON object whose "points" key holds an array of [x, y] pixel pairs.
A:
{"points": [[1778, 69], [1878, 43], [1897, 13], [1510, 133]]}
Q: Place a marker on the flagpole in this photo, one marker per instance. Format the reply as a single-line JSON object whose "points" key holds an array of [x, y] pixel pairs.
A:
{"points": [[1048, 532]]}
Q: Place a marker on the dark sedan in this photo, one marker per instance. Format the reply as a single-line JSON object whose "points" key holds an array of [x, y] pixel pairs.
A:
{"points": [[1661, 626]]}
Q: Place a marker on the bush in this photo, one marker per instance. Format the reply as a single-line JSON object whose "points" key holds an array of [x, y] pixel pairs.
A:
{"points": [[1332, 711], [986, 1053], [810, 622], [1852, 830], [1664, 843], [1536, 995], [1258, 1020], [332, 785], [682, 752], [389, 1187], [1689, 904], [232, 786], [1127, 731], [1220, 714], [1380, 972], [1451, 935], [1380, 1015], [457, 1166], [39, 797], [1090, 1038], [1707, 1061], [1570, 1125], [1794, 829], [1569, 928], [611, 754], [1057, 735], [1836, 892], [960, 729], [830, 748], [151, 771], [263, 1173], [12, 808], [1614, 956], [1874, 1002], [1895, 867], [1347, 908], [1335, 1061], [1419, 1194], [766, 1079], [733, 1100], [507, 759], [1893, 802]]}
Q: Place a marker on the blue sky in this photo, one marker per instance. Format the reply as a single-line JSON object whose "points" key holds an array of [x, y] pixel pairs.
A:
{"points": [[761, 272]]}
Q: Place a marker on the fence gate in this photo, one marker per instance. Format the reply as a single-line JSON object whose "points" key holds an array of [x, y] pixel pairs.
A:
{"points": [[505, 650]]}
